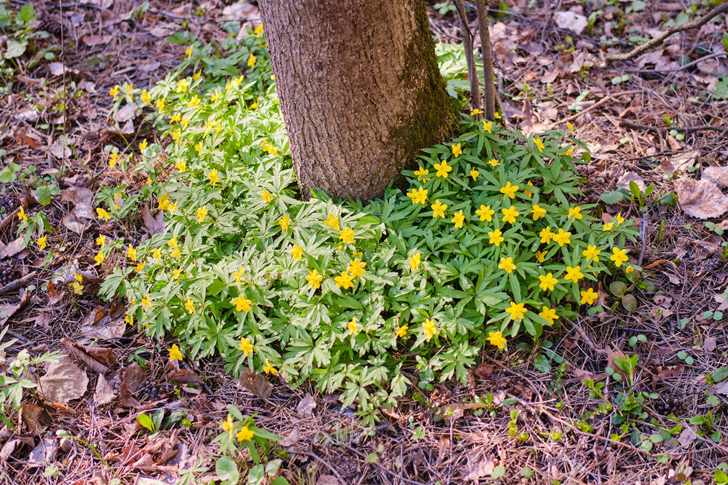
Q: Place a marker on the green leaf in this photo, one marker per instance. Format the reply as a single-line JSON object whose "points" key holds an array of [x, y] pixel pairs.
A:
{"points": [[227, 469], [720, 374], [618, 288], [15, 49], [613, 197], [629, 302], [280, 481], [146, 422], [44, 193], [498, 472], [542, 364], [27, 13]]}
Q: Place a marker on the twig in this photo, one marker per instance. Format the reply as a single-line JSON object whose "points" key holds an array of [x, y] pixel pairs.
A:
{"points": [[643, 235], [318, 458], [663, 71], [485, 48], [674, 30], [468, 47], [575, 116], [14, 285], [9, 218], [687, 129]]}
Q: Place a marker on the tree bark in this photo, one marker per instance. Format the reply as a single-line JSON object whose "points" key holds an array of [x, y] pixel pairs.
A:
{"points": [[359, 88]]}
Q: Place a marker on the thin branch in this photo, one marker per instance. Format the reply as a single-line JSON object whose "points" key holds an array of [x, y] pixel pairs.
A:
{"points": [[468, 47], [695, 24], [485, 47]]}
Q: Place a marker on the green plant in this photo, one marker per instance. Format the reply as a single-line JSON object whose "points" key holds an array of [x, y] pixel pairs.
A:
{"points": [[154, 423], [17, 379], [627, 365], [485, 245]]}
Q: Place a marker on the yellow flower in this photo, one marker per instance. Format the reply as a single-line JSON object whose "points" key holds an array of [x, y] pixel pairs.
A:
{"points": [[175, 118], [573, 274], [314, 279], [114, 158], [568, 151], [196, 75], [487, 126], [201, 213], [418, 196], [78, 277], [546, 235], [352, 326], [245, 434], [259, 30], [496, 237], [176, 273], [190, 306], [143, 145], [268, 147], [77, 288], [99, 258], [194, 102], [539, 144], [131, 253], [474, 173], [414, 261], [246, 346], [101, 213], [163, 202], [629, 269], [188, 52], [269, 369], [160, 104], [147, 302], [528, 193], [562, 237], [344, 280], [570, 127], [146, 98], [347, 236], [438, 209], [213, 176], [458, 219], [576, 213], [241, 303], [172, 243], [591, 253], [540, 256], [485, 213], [198, 147], [510, 214], [619, 256], [157, 254], [402, 331], [506, 264], [182, 85], [620, 219], [456, 150], [332, 222], [588, 296], [251, 61], [42, 242], [422, 173], [547, 282], [429, 328], [356, 268], [296, 252], [238, 275], [283, 222], [496, 339], [608, 226], [476, 111], [548, 314], [184, 123], [516, 310], [114, 91], [174, 353], [537, 212], [493, 162], [129, 318], [139, 267], [498, 115], [23, 217], [443, 169], [509, 190], [228, 425], [267, 196], [172, 208], [359, 254]]}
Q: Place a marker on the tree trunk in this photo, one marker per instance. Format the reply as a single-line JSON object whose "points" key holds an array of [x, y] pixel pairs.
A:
{"points": [[359, 89]]}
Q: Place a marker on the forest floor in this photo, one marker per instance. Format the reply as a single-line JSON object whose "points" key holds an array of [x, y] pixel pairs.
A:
{"points": [[659, 119]]}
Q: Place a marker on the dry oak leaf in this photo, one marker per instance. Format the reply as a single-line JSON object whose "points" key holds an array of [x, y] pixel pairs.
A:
{"points": [[306, 406], [255, 383], [64, 381], [717, 175], [701, 198]]}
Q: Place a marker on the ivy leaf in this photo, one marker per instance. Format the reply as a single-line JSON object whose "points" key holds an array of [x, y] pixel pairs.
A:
{"points": [[541, 363]]}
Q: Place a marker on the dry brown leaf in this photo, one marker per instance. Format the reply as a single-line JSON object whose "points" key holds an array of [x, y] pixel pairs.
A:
{"points": [[104, 393], [687, 437], [306, 406], [184, 376], [64, 381], [717, 175], [134, 377], [11, 249], [569, 20], [255, 383], [701, 198], [483, 370], [93, 40], [36, 418], [478, 469], [627, 177], [709, 344], [7, 310], [153, 225], [44, 453], [97, 358]]}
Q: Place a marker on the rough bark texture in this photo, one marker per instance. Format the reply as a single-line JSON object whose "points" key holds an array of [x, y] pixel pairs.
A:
{"points": [[359, 89]]}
